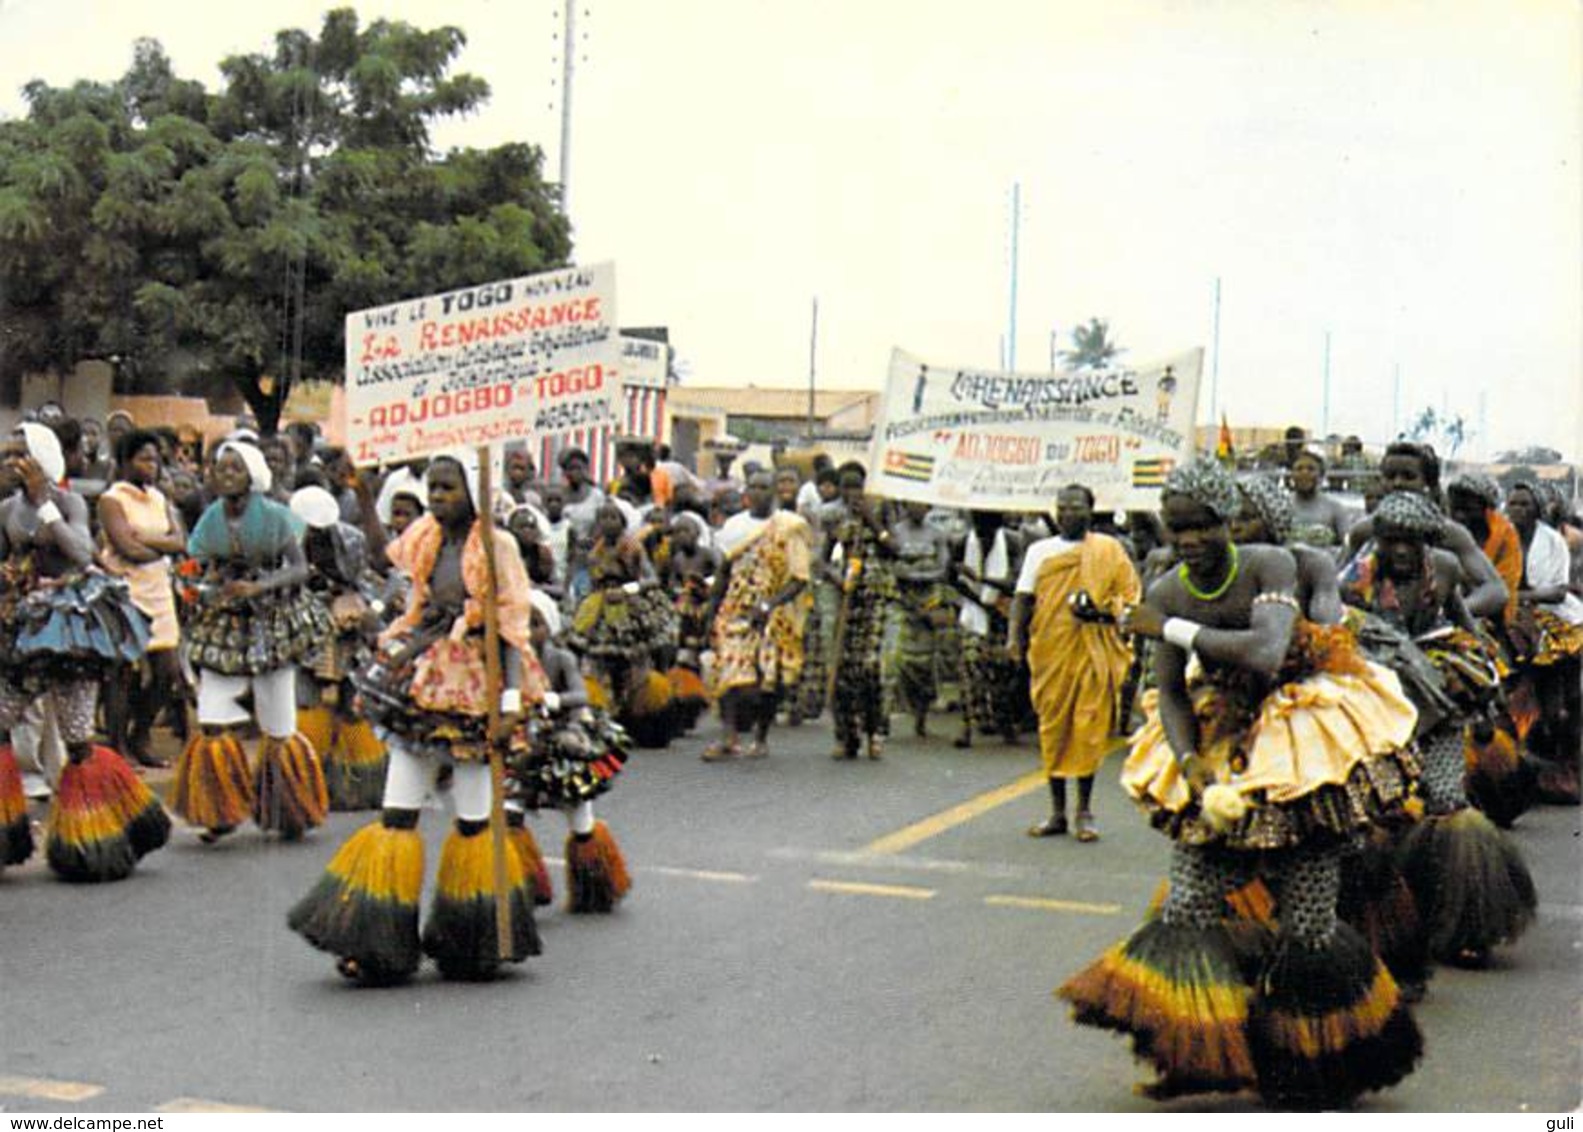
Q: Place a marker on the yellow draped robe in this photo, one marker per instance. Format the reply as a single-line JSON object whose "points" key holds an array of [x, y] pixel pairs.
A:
{"points": [[761, 567], [1077, 666]]}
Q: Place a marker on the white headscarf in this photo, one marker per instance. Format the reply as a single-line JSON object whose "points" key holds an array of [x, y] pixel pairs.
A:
{"points": [[545, 604], [706, 537], [316, 507], [258, 472], [44, 446], [399, 482], [468, 459]]}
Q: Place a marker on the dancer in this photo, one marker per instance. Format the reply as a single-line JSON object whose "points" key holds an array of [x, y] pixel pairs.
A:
{"points": [[425, 695], [65, 624], [576, 750], [619, 625], [689, 573], [1472, 887], [256, 623], [1263, 767], [337, 553]]}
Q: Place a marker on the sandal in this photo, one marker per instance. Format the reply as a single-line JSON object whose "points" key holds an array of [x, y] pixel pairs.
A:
{"points": [[757, 749], [1086, 829], [1052, 826], [719, 751], [876, 747]]}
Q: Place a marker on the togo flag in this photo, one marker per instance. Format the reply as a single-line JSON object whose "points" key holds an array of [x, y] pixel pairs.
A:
{"points": [[909, 466], [1151, 473]]}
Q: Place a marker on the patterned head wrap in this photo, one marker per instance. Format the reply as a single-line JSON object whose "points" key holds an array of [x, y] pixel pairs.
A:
{"points": [[1207, 484], [1273, 504], [1407, 514], [1480, 486]]}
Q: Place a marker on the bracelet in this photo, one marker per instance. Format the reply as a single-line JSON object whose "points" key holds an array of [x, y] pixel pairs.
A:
{"points": [[511, 701], [1279, 599], [48, 513], [1180, 632]]}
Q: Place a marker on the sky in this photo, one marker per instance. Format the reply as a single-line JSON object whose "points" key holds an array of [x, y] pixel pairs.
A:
{"points": [[1401, 176]]}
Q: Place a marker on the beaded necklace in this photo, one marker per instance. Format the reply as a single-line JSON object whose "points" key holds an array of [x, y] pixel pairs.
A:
{"points": [[1220, 590]]}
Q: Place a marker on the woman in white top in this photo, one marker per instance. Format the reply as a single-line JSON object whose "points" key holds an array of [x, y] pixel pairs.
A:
{"points": [[1549, 622]]}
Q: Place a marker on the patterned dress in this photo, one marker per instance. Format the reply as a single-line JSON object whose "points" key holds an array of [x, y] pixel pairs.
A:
{"points": [[858, 703]]}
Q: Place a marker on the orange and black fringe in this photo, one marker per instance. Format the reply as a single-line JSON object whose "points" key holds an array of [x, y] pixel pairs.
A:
{"points": [[354, 768], [1179, 994], [290, 795], [596, 872], [1499, 780], [1329, 1024], [365, 906], [1376, 900], [102, 819], [213, 789], [16, 831], [527, 847], [649, 714], [460, 932], [1472, 887], [689, 696]]}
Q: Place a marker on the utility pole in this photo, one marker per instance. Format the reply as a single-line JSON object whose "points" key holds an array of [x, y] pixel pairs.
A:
{"points": [[1396, 400], [1324, 408], [1214, 366], [813, 350], [568, 56], [1011, 322]]}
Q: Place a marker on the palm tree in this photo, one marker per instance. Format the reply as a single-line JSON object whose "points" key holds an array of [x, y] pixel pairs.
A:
{"points": [[1092, 347]]}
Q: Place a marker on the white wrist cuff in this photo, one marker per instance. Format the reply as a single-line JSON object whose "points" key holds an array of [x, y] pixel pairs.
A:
{"points": [[49, 513], [511, 701], [1180, 632]]}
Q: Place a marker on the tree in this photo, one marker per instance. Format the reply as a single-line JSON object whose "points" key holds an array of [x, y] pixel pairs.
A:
{"points": [[1092, 347], [228, 234], [1534, 454]]}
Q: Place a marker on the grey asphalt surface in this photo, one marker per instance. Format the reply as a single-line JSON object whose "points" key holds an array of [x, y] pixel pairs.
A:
{"points": [[737, 975]]}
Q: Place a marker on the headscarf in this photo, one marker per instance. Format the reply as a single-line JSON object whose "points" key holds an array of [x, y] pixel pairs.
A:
{"points": [[467, 459], [398, 483], [1407, 514], [1480, 486], [696, 521], [1209, 485], [1273, 504], [545, 605], [315, 507], [258, 472], [44, 446]]}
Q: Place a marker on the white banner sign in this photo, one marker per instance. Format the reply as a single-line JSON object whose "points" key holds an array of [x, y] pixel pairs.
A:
{"points": [[643, 363], [520, 359], [996, 441]]}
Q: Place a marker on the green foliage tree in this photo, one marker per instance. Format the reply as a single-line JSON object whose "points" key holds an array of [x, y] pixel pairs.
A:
{"points": [[225, 235], [1092, 346]]}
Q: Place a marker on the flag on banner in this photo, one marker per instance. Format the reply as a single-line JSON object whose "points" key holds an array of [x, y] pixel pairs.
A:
{"points": [[1225, 450], [909, 466], [1151, 472]]}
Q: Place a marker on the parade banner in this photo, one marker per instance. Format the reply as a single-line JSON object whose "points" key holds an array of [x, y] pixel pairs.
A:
{"points": [[533, 359], [996, 441]]}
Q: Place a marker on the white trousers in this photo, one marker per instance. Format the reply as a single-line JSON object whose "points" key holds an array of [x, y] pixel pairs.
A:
{"points": [[411, 778], [274, 700]]}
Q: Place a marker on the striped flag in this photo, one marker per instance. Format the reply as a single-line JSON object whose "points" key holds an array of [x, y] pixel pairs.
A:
{"points": [[909, 466], [1152, 472]]}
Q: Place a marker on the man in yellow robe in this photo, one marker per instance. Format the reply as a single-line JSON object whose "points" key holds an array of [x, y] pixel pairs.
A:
{"points": [[1071, 589]]}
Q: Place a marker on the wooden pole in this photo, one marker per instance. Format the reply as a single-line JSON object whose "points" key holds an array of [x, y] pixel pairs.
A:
{"points": [[492, 682]]}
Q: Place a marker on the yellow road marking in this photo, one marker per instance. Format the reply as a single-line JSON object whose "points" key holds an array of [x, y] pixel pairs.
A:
{"points": [[905, 892], [1052, 905], [198, 1104], [904, 839], [43, 1089]]}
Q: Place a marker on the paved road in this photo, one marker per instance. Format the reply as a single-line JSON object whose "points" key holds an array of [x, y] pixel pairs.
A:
{"points": [[803, 935]]}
